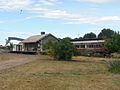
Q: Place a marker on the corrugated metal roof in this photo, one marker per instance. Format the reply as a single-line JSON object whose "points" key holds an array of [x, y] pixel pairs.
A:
{"points": [[35, 38], [90, 41], [87, 39]]}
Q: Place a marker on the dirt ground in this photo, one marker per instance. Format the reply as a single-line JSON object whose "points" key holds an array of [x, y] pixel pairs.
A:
{"points": [[9, 60]]}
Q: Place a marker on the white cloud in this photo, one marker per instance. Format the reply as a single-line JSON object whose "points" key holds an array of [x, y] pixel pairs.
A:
{"points": [[59, 14], [25, 4], [6, 33], [53, 14], [95, 20], [71, 18], [34, 6], [98, 1], [14, 4], [49, 2], [111, 18]]}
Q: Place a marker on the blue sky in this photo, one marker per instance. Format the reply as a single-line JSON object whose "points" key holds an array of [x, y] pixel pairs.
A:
{"points": [[62, 18]]}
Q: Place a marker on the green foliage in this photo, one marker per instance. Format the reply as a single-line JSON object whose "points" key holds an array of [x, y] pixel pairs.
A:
{"points": [[62, 50], [114, 67], [106, 33], [67, 38], [76, 52], [88, 53], [49, 48], [113, 44], [89, 36]]}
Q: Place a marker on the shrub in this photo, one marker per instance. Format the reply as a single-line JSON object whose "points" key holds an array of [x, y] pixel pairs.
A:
{"points": [[113, 44], [88, 53], [114, 67], [115, 55], [62, 50], [98, 54], [77, 52], [49, 47]]}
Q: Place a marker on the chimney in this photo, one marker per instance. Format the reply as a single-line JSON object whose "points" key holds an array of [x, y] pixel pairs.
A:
{"points": [[42, 33]]}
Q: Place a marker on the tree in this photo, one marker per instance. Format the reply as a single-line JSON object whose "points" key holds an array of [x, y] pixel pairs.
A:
{"points": [[106, 33], [89, 35], [113, 44], [49, 47], [68, 38], [62, 50]]}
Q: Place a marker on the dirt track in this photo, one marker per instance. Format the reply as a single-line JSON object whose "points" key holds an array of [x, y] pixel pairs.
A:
{"points": [[17, 60]]}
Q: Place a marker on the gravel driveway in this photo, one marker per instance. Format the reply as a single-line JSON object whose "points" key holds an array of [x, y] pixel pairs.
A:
{"points": [[16, 62]]}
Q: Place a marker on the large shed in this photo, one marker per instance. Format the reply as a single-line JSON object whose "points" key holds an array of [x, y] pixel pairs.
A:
{"points": [[36, 43], [96, 45]]}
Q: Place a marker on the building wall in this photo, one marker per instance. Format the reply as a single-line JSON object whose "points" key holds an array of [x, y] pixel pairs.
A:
{"points": [[45, 41], [97, 46], [31, 47], [38, 46], [17, 47], [48, 38]]}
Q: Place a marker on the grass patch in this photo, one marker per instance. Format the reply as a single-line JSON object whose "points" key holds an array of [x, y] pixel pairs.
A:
{"points": [[54, 74], [114, 67]]}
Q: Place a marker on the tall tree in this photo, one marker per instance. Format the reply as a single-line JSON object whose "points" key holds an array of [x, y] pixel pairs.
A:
{"points": [[106, 33], [113, 44], [90, 35], [67, 38]]}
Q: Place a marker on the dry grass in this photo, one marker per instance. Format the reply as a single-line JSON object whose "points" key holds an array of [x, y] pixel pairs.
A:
{"points": [[4, 57], [10, 56], [46, 74]]}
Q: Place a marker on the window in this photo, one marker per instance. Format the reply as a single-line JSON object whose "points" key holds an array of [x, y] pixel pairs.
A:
{"points": [[77, 46], [82, 46]]}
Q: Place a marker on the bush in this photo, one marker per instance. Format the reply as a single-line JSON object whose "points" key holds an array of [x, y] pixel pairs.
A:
{"points": [[115, 55], [77, 52], [88, 53], [113, 44], [98, 55], [62, 50], [114, 67], [49, 47]]}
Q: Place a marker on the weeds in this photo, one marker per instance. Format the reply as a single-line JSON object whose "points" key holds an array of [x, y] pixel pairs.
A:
{"points": [[114, 67]]}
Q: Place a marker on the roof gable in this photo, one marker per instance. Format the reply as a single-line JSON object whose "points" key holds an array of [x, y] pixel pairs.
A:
{"points": [[35, 38]]}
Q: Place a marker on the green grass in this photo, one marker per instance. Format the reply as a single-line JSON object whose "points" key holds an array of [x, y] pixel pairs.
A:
{"points": [[47, 74], [114, 67]]}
